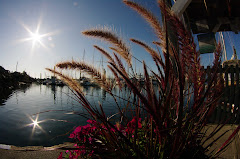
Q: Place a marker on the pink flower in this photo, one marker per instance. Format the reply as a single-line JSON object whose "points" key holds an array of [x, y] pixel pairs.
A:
{"points": [[113, 130], [86, 126], [93, 122], [60, 156], [78, 129], [90, 140], [75, 132], [70, 154], [91, 153], [72, 135], [76, 145], [131, 126]]}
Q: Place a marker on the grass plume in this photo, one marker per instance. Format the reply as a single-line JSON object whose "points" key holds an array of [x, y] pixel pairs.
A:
{"points": [[97, 75], [150, 18], [105, 53], [109, 36], [156, 57]]}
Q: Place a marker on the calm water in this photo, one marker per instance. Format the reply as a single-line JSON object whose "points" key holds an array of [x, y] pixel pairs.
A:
{"points": [[17, 114]]}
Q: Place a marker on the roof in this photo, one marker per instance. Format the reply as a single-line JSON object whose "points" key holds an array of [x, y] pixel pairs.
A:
{"points": [[213, 15], [231, 62]]}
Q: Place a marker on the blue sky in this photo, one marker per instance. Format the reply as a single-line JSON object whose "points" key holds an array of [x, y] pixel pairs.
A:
{"points": [[62, 22]]}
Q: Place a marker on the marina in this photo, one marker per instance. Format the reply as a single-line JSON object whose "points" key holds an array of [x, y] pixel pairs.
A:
{"points": [[55, 104], [169, 91]]}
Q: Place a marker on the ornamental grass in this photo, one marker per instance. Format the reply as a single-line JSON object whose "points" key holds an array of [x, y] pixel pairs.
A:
{"points": [[167, 122]]}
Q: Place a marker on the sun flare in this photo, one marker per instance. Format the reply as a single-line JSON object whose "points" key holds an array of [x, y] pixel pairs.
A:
{"points": [[35, 123], [37, 38]]}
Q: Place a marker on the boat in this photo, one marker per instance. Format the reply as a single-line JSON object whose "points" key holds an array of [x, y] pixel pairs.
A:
{"points": [[84, 81], [46, 81], [234, 61]]}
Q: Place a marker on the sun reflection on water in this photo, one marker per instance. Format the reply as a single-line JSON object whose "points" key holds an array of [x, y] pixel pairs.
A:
{"points": [[35, 124]]}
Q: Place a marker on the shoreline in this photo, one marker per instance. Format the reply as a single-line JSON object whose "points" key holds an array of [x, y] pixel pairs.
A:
{"points": [[30, 152], [40, 152]]}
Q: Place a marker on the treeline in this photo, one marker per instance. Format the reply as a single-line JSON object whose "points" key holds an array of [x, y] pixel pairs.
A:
{"points": [[10, 81]]}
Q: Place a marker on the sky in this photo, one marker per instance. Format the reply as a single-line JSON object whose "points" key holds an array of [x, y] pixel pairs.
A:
{"points": [[60, 23]]}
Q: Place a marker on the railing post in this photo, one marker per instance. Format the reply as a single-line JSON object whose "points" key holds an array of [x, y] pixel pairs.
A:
{"points": [[218, 110], [226, 93], [237, 95], [231, 95]]}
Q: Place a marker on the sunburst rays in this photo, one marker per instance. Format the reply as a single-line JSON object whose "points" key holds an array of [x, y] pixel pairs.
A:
{"points": [[35, 124], [36, 37]]}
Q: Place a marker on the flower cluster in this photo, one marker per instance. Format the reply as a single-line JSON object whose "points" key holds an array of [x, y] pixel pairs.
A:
{"points": [[90, 134], [82, 132], [132, 125]]}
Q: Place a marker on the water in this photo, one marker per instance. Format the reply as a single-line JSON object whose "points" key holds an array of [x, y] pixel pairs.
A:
{"points": [[17, 114]]}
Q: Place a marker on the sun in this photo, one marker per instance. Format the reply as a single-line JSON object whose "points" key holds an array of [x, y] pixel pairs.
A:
{"points": [[36, 37]]}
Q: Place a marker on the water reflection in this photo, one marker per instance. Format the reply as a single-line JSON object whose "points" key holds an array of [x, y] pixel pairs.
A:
{"points": [[35, 124], [104, 94], [59, 107], [5, 94], [53, 88]]}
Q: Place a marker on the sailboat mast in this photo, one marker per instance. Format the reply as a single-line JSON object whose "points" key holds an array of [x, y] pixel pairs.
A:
{"points": [[223, 46], [16, 66], [82, 61], [234, 57]]}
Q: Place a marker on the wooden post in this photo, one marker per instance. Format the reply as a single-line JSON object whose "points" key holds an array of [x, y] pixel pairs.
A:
{"points": [[218, 110], [231, 95], [226, 94], [237, 95], [208, 80]]}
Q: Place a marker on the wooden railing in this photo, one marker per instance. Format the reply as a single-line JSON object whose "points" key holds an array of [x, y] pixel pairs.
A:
{"points": [[229, 106]]}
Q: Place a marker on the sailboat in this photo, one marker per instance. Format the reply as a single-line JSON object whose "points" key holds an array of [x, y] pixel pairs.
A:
{"points": [[85, 81], [234, 61]]}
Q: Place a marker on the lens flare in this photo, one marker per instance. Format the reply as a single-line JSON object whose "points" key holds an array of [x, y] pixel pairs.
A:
{"points": [[35, 124], [36, 37]]}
